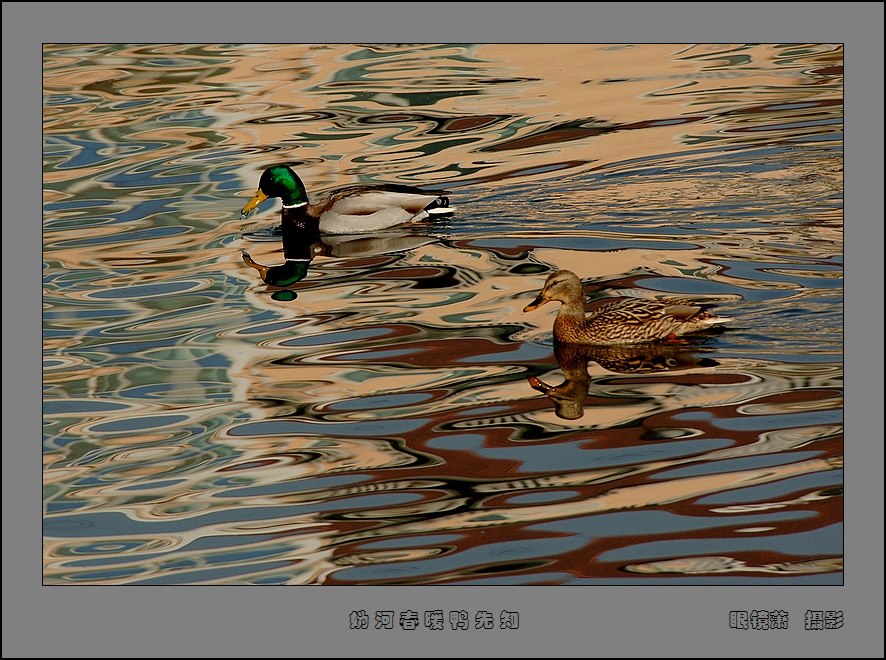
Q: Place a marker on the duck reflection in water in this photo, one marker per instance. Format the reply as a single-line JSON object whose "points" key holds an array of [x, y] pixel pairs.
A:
{"points": [[302, 245], [299, 247], [569, 396]]}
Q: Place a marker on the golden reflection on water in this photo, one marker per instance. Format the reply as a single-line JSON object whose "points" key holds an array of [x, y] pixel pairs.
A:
{"points": [[199, 428]]}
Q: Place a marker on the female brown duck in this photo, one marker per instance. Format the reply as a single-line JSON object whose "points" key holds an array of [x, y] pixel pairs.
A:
{"points": [[620, 321]]}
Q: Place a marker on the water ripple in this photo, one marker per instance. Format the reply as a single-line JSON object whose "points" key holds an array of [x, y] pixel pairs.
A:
{"points": [[381, 420]]}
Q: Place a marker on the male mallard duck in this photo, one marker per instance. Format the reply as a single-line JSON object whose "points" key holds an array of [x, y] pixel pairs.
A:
{"points": [[348, 210], [620, 321]]}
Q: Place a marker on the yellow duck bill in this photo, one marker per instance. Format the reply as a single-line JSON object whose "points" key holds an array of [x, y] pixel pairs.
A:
{"points": [[257, 199]]}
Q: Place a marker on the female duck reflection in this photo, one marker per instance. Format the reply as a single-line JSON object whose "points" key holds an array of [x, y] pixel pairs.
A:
{"points": [[569, 396]]}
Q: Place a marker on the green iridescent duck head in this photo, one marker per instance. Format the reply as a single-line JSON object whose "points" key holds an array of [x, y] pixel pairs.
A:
{"points": [[278, 181]]}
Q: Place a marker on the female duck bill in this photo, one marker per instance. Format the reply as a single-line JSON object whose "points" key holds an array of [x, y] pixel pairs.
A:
{"points": [[535, 304]]}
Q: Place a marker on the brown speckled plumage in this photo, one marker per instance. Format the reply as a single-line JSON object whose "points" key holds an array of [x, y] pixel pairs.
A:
{"points": [[620, 321]]}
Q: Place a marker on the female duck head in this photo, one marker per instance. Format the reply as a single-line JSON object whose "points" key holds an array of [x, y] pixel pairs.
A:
{"points": [[278, 181], [562, 286]]}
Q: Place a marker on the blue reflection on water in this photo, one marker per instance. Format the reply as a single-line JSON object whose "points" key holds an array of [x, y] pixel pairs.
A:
{"points": [[828, 540]]}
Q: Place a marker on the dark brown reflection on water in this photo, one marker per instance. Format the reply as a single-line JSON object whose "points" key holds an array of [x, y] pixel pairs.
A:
{"points": [[376, 426], [569, 396]]}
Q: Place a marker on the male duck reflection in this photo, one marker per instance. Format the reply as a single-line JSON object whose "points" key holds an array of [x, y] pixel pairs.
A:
{"points": [[622, 320], [286, 274], [348, 210], [301, 246], [569, 396]]}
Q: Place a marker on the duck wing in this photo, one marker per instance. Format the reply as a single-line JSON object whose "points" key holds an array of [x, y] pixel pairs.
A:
{"points": [[635, 311], [629, 311], [686, 310], [682, 312], [366, 200]]}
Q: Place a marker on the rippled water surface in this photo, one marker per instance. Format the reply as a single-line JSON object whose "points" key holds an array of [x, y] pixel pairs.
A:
{"points": [[395, 417]]}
